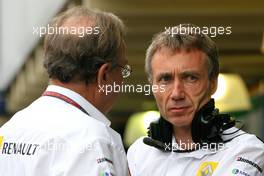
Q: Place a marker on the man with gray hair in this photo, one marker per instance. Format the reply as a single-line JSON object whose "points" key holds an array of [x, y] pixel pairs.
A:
{"points": [[65, 131], [191, 137]]}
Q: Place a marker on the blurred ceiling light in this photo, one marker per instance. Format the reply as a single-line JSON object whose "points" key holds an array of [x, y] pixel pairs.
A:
{"points": [[137, 125], [231, 94], [221, 88]]}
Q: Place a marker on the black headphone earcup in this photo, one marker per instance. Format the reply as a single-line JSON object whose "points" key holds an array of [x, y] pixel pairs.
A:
{"points": [[204, 128], [196, 129], [166, 131], [160, 130], [154, 129]]}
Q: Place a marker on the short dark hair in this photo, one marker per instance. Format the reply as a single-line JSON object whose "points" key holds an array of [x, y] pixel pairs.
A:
{"points": [[186, 41], [69, 57]]}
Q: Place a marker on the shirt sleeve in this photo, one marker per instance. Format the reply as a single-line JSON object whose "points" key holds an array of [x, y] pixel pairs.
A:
{"points": [[97, 158]]}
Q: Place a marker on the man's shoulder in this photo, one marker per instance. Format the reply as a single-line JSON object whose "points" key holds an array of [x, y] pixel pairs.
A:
{"points": [[244, 152], [73, 126], [137, 144], [246, 143], [139, 150], [247, 139]]}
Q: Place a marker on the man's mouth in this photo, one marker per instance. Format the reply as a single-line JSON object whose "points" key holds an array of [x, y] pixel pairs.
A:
{"points": [[179, 110]]}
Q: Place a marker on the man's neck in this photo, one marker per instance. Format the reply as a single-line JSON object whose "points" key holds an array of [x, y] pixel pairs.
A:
{"points": [[79, 88]]}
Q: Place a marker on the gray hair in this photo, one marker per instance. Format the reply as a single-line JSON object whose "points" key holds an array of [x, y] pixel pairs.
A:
{"points": [[71, 57], [176, 39]]}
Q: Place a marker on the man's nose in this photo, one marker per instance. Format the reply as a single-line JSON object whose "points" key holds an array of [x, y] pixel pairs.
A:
{"points": [[177, 90]]}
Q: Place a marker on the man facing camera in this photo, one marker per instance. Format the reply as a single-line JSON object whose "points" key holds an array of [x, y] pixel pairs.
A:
{"points": [[65, 131], [191, 137]]}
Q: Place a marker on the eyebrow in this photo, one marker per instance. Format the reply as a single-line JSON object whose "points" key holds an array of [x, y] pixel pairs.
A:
{"points": [[163, 74], [184, 73], [190, 72]]}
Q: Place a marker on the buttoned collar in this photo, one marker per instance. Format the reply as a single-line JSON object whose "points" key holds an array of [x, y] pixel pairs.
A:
{"points": [[85, 104]]}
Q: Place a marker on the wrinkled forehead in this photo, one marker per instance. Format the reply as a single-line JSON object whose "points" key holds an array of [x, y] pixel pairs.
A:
{"points": [[166, 60], [165, 53]]}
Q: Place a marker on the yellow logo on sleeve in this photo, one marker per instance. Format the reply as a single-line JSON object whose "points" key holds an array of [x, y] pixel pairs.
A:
{"points": [[1, 141], [207, 169]]}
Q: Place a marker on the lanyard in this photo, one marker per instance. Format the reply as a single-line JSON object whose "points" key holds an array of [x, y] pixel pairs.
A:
{"points": [[64, 98]]}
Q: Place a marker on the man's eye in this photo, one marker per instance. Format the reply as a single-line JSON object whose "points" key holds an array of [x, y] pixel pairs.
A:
{"points": [[191, 78], [165, 79]]}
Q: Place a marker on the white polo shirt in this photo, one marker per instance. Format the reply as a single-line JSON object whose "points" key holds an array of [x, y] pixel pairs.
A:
{"points": [[54, 138], [242, 156]]}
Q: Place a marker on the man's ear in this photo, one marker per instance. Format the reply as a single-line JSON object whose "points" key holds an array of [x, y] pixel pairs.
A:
{"points": [[102, 74], [213, 85]]}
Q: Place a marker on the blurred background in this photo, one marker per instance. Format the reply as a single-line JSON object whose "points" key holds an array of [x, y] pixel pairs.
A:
{"points": [[241, 84]]}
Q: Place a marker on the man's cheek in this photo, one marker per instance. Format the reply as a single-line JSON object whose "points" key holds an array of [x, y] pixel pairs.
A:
{"points": [[201, 100], [157, 97], [196, 91], [198, 96], [160, 103]]}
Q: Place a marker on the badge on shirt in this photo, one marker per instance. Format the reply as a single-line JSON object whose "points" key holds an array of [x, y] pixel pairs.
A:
{"points": [[207, 169], [1, 141], [103, 173]]}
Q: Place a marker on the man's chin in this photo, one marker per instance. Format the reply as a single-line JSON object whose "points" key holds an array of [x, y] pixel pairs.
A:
{"points": [[179, 121]]}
